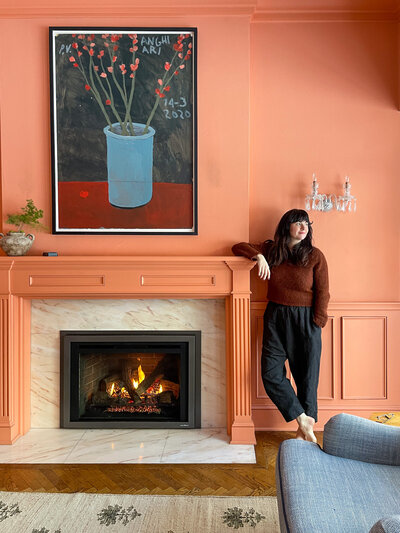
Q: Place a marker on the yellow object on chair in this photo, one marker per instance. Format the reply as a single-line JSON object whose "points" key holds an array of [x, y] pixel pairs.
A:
{"points": [[391, 418]]}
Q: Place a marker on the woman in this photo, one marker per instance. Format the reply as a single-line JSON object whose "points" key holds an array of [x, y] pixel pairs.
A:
{"points": [[298, 296]]}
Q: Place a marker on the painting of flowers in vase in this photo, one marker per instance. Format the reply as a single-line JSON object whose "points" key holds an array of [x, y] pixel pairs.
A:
{"points": [[123, 108]]}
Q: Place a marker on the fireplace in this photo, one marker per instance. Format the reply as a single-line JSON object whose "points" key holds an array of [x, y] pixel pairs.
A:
{"points": [[122, 379], [23, 279]]}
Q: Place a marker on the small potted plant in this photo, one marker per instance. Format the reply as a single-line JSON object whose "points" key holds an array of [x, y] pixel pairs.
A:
{"points": [[16, 242]]}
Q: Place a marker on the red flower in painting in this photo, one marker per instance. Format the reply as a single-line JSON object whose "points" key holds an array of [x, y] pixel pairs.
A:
{"points": [[84, 194], [101, 77]]}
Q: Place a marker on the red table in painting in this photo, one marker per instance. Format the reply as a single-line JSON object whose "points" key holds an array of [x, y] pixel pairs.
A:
{"points": [[84, 204]]}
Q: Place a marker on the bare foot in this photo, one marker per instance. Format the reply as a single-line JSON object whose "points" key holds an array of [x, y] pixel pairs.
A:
{"points": [[300, 435], [306, 426]]}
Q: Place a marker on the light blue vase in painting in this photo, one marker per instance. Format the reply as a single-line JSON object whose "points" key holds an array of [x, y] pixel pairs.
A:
{"points": [[130, 167]]}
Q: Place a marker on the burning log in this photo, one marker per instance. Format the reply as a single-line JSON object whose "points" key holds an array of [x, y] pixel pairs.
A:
{"points": [[127, 377], [101, 398], [162, 369], [166, 397], [157, 373], [170, 386], [113, 379]]}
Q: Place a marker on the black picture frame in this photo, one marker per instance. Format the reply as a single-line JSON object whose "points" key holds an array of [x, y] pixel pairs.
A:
{"points": [[124, 130]]}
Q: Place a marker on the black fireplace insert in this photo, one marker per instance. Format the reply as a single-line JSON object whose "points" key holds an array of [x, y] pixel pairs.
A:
{"points": [[125, 379]]}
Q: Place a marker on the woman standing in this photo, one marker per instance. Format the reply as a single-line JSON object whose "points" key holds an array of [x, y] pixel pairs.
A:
{"points": [[298, 295]]}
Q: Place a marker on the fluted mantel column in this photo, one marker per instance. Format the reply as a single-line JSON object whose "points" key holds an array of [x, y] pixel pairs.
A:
{"points": [[14, 360], [238, 355]]}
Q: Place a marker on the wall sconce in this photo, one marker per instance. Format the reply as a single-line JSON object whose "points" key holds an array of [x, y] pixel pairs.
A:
{"points": [[325, 202]]}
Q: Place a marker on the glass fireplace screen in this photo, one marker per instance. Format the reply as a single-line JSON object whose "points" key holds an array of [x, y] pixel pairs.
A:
{"points": [[120, 379]]}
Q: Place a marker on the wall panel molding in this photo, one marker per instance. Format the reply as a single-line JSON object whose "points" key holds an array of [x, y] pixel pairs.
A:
{"points": [[360, 365], [327, 372], [364, 357]]}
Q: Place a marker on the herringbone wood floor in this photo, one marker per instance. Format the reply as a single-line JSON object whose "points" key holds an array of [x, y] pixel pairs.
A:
{"points": [[200, 479]]}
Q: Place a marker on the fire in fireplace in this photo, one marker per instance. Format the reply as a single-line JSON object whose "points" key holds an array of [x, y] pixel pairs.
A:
{"points": [[120, 379]]}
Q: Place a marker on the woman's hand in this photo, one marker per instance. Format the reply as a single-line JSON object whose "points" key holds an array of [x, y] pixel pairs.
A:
{"points": [[263, 267]]}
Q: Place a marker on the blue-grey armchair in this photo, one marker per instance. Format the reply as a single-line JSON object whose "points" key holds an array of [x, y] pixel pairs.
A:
{"points": [[351, 486]]}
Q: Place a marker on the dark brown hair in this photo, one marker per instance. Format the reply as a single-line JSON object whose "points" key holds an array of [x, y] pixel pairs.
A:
{"points": [[280, 251]]}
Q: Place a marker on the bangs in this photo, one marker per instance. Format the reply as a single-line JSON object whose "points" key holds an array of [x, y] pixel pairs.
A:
{"points": [[297, 215]]}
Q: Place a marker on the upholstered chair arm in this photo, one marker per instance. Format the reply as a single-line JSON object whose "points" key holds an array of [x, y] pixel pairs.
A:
{"points": [[389, 524], [364, 440]]}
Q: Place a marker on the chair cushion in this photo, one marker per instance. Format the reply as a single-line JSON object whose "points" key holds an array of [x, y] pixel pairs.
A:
{"points": [[322, 493]]}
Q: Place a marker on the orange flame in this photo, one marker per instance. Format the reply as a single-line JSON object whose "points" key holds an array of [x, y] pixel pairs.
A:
{"points": [[112, 389], [141, 374]]}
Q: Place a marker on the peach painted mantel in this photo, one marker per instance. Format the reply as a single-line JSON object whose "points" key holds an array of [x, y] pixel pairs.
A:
{"points": [[25, 278]]}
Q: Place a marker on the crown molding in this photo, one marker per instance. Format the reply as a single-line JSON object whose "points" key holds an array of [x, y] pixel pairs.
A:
{"points": [[256, 10], [121, 10], [325, 16]]}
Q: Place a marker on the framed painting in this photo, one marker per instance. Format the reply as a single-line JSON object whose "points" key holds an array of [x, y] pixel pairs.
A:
{"points": [[124, 130]]}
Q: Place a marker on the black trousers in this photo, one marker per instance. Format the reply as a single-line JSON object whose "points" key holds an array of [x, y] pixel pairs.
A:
{"points": [[290, 333]]}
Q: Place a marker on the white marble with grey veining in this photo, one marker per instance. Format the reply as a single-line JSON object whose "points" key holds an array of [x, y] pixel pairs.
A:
{"points": [[116, 446], [49, 317], [119, 446], [42, 446], [205, 446]]}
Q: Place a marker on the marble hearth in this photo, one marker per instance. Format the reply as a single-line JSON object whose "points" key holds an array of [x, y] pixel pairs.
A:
{"points": [[207, 293]]}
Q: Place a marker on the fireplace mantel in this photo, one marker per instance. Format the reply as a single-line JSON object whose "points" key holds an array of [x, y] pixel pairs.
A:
{"points": [[28, 277]]}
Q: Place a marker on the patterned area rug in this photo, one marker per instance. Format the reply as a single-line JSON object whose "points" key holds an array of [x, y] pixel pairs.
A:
{"points": [[86, 513]]}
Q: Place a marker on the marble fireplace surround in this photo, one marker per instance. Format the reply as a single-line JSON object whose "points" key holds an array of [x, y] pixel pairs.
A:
{"points": [[85, 277]]}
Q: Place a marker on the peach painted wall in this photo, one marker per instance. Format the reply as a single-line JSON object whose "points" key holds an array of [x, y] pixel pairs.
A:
{"points": [[324, 99], [277, 101], [223, 129]]}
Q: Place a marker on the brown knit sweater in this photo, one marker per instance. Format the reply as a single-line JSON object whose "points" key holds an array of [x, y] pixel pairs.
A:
{"points": [[295, 285]]}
